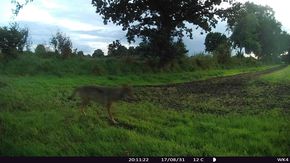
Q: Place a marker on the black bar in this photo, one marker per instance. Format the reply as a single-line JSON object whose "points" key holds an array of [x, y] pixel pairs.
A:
{"points": [[148, 159]]}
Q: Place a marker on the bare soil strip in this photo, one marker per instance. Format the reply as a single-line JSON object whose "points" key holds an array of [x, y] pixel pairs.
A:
{"points": [[220, 95]]}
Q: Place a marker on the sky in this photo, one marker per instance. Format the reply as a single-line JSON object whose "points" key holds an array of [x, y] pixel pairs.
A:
{"points": [[78, 20]]}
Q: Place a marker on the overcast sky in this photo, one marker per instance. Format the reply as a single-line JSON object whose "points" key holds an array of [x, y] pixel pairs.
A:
{"points": [[77, 18]]}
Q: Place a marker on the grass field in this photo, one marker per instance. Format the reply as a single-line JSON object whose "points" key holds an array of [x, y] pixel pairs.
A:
{"points": [[282, 76], [249, 119]]}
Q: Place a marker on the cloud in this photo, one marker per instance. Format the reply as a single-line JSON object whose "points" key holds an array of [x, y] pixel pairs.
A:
{"points": [[33, 13], [50, 12], [51, 4], [76, 25], [75, 18], [39, 32], [87, 41], [5, 12], [98, 39], [105, 34]]}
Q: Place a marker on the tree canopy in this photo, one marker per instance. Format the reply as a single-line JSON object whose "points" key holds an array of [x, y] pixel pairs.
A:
{"points": [[40, 49], [98, 53], [213, 40], [116, 49], [255, 28], [160, 20], [62, 44], [12, 39]]}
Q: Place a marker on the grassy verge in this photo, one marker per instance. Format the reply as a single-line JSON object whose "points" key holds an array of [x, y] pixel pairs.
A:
{"points": [[279, 76], [36, 119], [144, 130], [141, 79]]}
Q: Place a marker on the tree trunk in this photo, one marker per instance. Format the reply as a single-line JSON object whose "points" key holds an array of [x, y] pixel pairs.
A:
{"points": [[163, 46], [288, 56], [241, 52]]}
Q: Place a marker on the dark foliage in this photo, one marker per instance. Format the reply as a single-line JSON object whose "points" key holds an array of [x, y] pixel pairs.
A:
{"points": [[157, 22], [213, 40], [13, 39], [116, 49], [40, 49], [255, 29], [62, 44], [98, 53]]}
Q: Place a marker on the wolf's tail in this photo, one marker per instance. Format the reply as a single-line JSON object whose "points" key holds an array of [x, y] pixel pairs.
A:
{"points": [[73, 95]]}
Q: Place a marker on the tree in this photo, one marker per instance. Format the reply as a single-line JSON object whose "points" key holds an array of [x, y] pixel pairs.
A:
{"points": [[180, 48], [75, 51], [80, 53], [288, 56], [218, 44], [213, 40], [13, 39], [255, 29], [62, 44], [284, 42], [19, 5], [245, 35], [98, 53], [40, 49], [269, 38], [160, 20], [285, 47], [117, 49], [131, 51], [144, 50], [222, 53]]}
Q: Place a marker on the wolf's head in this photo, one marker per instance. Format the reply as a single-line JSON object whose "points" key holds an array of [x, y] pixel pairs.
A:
{"points": [[127, 92]]}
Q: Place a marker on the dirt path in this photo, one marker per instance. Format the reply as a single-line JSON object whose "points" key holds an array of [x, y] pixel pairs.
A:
{"points": [[222, 94]]}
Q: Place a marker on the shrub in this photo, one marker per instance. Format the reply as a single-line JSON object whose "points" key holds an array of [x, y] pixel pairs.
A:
{"points": [[214, 40], [98, 70], [62, 44], [13, 39], [40, 49], [223, 53], [80, 53], [98, 53], [117, 49], [203, 61]]}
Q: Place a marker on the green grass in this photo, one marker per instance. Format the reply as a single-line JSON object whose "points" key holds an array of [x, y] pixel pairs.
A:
{"points": [[279, 76], [33, 65], [153, 131], [36, 119], [141, 79]]}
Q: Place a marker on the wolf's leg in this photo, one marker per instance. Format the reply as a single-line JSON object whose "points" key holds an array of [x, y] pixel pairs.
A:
{"points": [[109, 105], [83, 104]]}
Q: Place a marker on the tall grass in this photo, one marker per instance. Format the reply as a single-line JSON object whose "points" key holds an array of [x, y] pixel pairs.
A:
{"points": [[32, 64]]}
